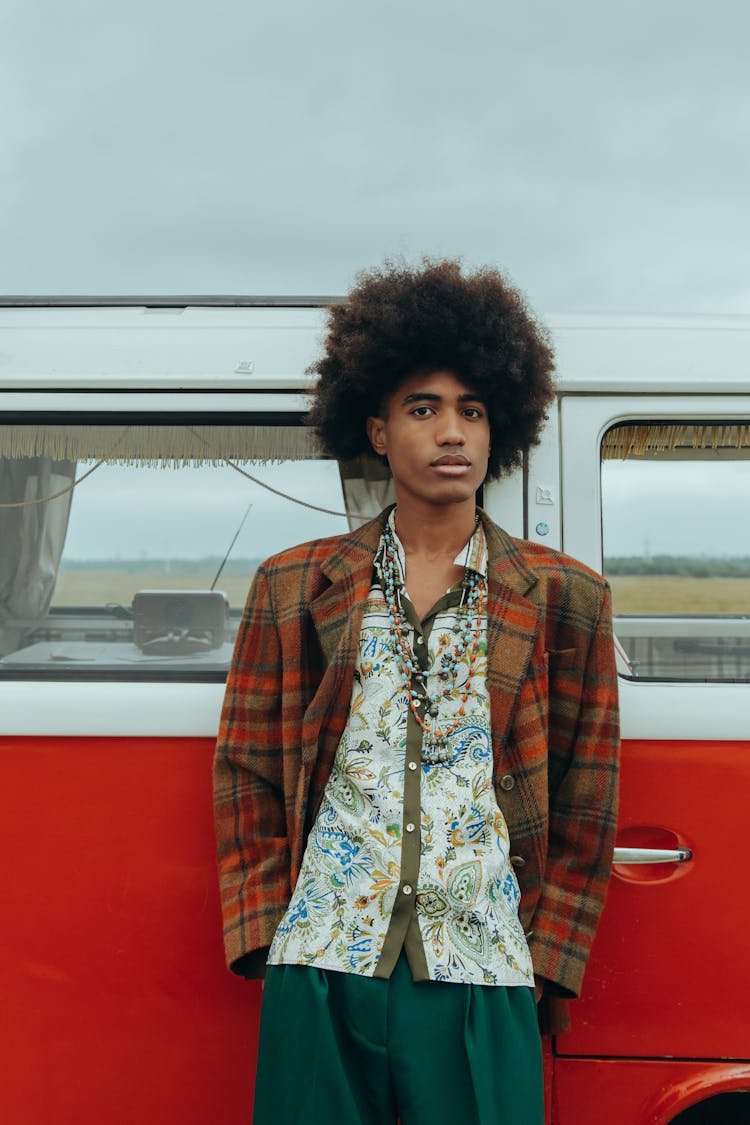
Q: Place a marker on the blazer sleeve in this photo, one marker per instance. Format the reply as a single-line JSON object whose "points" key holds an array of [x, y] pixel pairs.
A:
{"points": [[250, 820], [583, 761]]}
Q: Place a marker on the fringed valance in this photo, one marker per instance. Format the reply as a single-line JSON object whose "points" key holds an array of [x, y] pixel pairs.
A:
{"points": [[678, 441], [165, 445], [178, 445]]}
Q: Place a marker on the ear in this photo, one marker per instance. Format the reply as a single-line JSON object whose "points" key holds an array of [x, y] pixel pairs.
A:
{"points": [[376, 434]]}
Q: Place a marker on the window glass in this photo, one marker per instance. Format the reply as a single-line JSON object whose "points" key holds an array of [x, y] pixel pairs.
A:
{"points": [[142, 569], [677, 548]]}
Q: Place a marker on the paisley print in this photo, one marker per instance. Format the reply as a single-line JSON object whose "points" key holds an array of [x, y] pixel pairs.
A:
{"points": [[466, 899]]}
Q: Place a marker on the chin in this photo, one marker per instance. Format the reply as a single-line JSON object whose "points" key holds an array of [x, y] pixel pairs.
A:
{"points": [[453, 493]]}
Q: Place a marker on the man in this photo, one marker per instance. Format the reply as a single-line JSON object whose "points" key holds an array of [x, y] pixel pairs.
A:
{"points": [[416, 770]]}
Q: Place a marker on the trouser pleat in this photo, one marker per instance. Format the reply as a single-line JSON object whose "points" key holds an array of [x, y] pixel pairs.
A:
{"points": [[338, 1049]]}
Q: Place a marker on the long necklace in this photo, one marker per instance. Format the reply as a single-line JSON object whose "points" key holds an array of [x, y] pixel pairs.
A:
{"points": [[467, 632]]}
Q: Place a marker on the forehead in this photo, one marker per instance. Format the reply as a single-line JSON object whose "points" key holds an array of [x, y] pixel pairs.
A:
{"points": [[441, 384]]}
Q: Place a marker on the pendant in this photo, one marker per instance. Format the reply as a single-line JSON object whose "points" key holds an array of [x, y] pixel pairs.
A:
{"points": [[437, 753]]}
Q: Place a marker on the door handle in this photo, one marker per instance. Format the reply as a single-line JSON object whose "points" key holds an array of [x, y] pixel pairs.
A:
{"points": [[652, 855]]}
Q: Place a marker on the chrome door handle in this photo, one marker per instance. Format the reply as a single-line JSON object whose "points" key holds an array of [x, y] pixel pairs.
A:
{"points": [[652, 855]]}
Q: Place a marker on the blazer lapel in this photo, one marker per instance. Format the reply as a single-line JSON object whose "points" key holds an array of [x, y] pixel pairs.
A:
{"points": [[349, 572], [513, 621], [337, 617]]}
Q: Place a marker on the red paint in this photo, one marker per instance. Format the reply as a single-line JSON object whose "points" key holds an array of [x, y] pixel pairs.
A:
{"points": [[548, 1063], [638, 1092], [117, 1006], [670, 958]]}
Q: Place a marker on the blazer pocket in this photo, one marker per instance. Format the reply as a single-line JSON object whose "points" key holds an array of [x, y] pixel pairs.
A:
{"points": [[558, 658]]}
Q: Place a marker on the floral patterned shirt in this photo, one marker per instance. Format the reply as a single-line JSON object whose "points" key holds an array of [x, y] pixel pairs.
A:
{"points": [[406, 852]]}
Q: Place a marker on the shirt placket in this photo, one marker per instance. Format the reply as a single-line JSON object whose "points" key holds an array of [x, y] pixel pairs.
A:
{"points": [[403, 928]]}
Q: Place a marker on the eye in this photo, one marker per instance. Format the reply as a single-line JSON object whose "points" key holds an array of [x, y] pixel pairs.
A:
{"points": [[422, 411], [473, 412]]}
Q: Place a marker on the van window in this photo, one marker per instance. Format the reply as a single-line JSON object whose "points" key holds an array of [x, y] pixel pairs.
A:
{"points": [[140, 570], [677, 547]]}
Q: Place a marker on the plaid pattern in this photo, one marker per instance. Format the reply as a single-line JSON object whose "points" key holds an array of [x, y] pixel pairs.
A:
{"points": [[552, 680]]}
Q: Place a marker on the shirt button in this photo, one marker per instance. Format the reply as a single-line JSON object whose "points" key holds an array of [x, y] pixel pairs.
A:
{"points": [[507, 782], [420, 640], [406, 889], [410, 827], [412, 765], [518, 861]]}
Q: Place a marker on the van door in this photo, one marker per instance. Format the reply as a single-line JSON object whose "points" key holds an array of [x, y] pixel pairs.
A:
{"points": [[656, 495]]}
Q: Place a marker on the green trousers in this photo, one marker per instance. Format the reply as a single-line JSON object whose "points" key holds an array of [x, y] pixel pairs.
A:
{"points": [[339, 1049]]}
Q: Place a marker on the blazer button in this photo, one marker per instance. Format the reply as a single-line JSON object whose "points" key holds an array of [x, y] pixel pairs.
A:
{"points": [[507, 781], [518, 861]]}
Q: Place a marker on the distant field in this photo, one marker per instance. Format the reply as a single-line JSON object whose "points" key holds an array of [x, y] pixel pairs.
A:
{"points": [[94, 587], [632, 593], [670, 594]]}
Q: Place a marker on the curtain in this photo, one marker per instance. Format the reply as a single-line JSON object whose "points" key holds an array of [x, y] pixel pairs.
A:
{"points": [[368, 488], [676, 440], [31, 542]]}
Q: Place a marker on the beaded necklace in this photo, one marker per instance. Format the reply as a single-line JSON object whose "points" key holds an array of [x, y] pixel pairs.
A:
{"points": [[467, 631]]}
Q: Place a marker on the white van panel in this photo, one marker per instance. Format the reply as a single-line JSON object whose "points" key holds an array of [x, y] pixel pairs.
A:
{"points": [[584, 421], [153, 402], [689, 711], [140, 710]]}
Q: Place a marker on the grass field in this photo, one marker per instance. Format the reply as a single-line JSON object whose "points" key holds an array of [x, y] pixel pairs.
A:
{"points": [[95, 588], [632, 593]]}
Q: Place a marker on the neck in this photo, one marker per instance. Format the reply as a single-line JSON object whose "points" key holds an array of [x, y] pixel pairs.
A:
{"points": [[426, 529]]}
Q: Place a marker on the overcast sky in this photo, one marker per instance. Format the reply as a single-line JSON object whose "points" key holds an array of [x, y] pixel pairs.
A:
{"points": [[122, 512], [598, 151]]}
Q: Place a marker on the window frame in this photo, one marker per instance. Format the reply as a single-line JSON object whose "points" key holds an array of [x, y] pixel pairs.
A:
{"points": [[121, 408], [650, 709]]}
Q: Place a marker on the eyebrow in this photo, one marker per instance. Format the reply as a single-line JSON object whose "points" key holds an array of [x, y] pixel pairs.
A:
{"points": [[428, 396]]}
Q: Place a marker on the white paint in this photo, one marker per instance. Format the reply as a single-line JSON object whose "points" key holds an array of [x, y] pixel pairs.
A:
{"points": [[146, 402], [660, 710], [585, 420], [141, 710], [544, 499], [115, 353], [134, 346], [503, 502], [657, 711], [202, 346], [689, 711]]}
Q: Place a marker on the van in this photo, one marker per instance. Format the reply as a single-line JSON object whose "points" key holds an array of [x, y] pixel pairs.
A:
{"points": [[152, 453]]}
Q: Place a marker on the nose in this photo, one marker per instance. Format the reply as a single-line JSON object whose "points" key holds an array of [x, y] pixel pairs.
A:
{"points": [[450, 431]]}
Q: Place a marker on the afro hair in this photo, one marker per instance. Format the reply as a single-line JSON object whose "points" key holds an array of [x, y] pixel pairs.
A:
{"points": [[399, 321]]}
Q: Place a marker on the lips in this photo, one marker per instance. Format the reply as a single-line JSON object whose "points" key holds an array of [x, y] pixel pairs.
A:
{"points": [[452, 459]]}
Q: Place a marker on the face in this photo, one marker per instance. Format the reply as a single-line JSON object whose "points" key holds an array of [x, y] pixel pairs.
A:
{"points": [[436, 436]]}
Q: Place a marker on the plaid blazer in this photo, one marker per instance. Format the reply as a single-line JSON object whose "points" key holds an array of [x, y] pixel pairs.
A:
{"points": [[553, 688]]}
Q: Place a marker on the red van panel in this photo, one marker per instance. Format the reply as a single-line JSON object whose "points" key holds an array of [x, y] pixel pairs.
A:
{"points": [[116, 1005], [670, 969], [638, 1092]]}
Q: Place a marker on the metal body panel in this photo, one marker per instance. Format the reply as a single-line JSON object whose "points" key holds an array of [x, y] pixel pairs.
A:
{"points": [[112, 947], [117, 1006], [645, 1092], [670, 958], [264, 347]]}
